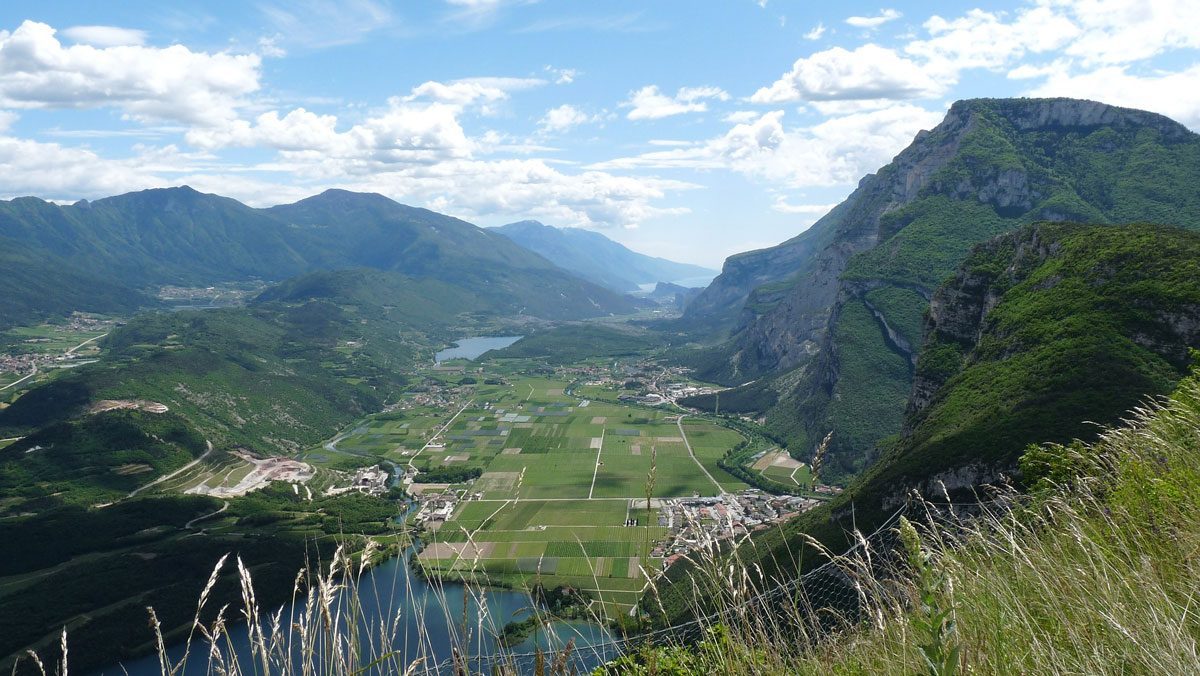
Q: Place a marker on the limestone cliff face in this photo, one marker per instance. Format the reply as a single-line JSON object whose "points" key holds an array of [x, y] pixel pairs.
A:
{"points": [[781, 323], [784, 324], [958, 311], [1041, 335], [998, 163]]}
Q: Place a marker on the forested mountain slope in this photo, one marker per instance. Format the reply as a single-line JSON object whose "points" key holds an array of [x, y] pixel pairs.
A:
{"points": [[597, 258], [109, 253], [827, 324]]}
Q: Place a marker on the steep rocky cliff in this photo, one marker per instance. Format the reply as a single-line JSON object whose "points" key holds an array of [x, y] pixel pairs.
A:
{"points": [[837, 307], [1040, 335]]}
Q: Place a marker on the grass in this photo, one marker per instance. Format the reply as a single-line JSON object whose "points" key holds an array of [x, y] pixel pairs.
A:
{"points": [[1095, 572]]}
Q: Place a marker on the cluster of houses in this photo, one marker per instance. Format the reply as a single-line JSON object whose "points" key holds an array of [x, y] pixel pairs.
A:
{"points": [[696, 523]]}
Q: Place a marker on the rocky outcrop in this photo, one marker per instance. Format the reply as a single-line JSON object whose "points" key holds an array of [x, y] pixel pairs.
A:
{"points": [[782, 304]]}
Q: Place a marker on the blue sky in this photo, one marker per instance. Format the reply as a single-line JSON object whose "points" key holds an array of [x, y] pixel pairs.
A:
{"points": [[691, 130]]}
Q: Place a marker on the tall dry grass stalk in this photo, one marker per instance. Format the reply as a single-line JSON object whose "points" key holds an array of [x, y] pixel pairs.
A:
{"points": [[1096, 572]]}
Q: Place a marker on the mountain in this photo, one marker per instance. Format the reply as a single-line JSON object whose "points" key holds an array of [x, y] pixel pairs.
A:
{"points": [[115, 248], [674, 294], [1042, 335], [825, 325], [597, 258]]}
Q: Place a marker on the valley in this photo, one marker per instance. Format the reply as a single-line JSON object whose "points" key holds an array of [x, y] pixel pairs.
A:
{"points": [[346, 396]]}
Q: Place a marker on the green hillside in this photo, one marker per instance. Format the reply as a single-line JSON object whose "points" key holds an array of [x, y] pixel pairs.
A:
{"points": [[839, 322], [1042, 335], [110, 254]]}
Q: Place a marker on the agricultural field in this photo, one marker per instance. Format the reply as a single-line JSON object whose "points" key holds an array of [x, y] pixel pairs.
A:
{"points": [[562, 498], [555, 479]]}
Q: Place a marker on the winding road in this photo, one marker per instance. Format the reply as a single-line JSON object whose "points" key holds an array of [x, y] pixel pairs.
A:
{"points": [[18, 382], [202, 517], [174, 474]]}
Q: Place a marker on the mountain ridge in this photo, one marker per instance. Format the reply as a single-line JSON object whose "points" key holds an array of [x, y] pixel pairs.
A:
{"points": [[180, 236], [595, 257], [838, 302]]}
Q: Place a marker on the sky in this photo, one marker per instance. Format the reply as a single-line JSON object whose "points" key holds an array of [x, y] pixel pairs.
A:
{"points": [[690, 130]]}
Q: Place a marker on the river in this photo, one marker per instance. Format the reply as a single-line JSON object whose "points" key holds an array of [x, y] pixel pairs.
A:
{"points": [[430, 620], [470, 348]]}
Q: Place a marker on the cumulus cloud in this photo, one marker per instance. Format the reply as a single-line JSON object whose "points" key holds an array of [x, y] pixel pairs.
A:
{"points": [[106, 36], [884, 16], [469, 91], [563, 118], [812, 211], [53, 171], [835, 152], [402, 133], [1176, 95], [648, 103], [147, 83], [816, 32], [562, 75], [986, 40], [868, 72], [1124, 31]]}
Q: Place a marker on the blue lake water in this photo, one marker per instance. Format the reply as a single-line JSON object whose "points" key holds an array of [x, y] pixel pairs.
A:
{"points": [[470, 348], [431, 620]]}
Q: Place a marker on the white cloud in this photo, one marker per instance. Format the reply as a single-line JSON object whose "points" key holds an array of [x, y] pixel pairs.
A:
{"points": [[515, 187], [7, 118], [876, 21], [985, 40], [813, 211], [563, 118], [816, 32], [106, 36], [648, 103], [403, 133], [315, 24], [1124, 31], [53, 171], [470, 91], [147, 83], [741, 116], [1176, 95], [562, 75], [868, 72], [835, 152]]}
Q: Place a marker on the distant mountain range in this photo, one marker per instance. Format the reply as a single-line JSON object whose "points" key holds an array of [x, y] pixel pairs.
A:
{"points": [[597, 258], [106, 255], [828, 325]]}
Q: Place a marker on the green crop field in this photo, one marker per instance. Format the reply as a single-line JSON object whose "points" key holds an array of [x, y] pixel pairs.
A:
{"points": [[564, 471]]}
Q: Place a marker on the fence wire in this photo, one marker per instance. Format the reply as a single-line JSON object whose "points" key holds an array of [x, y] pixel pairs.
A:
{"points": [[827, 591]]}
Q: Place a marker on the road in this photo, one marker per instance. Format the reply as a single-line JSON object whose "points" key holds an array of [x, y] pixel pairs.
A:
{"points": [[688, 444], [174, 474], [18, 382], [597, 470], [437, 434], [35, 368], [202, 517], [89, 340]]}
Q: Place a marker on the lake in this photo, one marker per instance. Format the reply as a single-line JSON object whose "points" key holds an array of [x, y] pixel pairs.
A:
{"points": [[470, 348], [430, 621]]}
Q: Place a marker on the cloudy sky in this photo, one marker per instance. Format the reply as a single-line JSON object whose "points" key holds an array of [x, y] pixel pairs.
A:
{"points": [[688, 129]]}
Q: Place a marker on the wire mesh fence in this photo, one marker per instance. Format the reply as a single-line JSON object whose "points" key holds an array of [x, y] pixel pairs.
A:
{"points": [[826, 595]]}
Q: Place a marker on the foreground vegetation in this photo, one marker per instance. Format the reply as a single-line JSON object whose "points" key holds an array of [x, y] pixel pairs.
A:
{"points": [[1094, 572]]}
